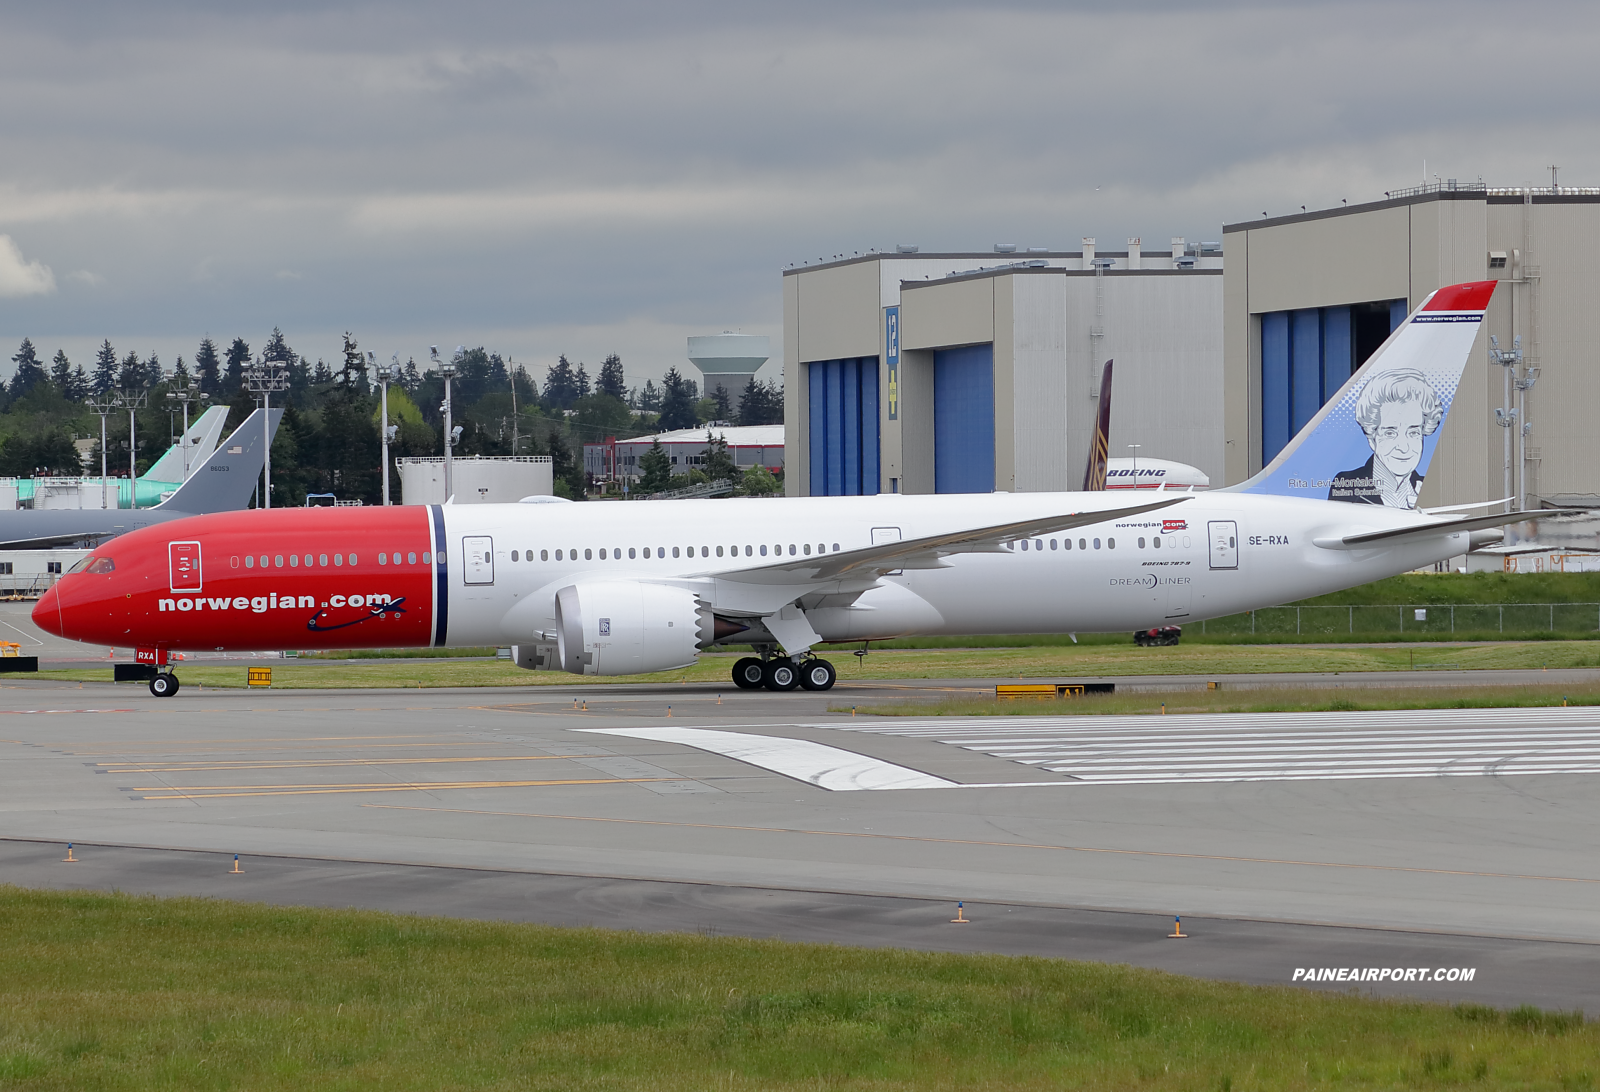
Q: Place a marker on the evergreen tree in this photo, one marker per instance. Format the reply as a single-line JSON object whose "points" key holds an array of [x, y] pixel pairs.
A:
{"points": [[677, 401], [180, 370], [321, 375], [722, 406], [61, 373], [655, 469], [561, 386], [29, 372], [105, 369], [153, 375], [80, 384], [499, 377], [719, 464], [278, 349], [762, 404], [410, 378], [207, 367], [567, 471], [130, 377], [238, 360], [611, 380], [527, 390], [353, 376], [649, 399]]}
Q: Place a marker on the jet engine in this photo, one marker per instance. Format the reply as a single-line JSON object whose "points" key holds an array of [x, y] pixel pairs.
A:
{"points": [[626, 627]]}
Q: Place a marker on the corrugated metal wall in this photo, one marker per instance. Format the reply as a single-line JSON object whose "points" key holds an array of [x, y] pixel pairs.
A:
{"points": [[963, 419], [843, 415]]}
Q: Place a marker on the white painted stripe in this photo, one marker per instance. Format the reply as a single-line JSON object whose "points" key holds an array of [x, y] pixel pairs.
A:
{"points": [[1226, 747], [814, 763]]}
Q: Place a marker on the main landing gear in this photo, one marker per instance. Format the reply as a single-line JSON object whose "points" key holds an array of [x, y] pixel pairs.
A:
{"points": [[781, 673], [164, 684]]}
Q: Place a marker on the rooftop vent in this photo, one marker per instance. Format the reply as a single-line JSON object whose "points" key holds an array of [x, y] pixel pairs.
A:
{"points": [[906, 248], [1038, 250], [1005, 248]]}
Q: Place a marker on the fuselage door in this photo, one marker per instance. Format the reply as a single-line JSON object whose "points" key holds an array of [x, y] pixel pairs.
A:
{"points": [[880, 535], [183, 566], [1224, 537], [478, 551]]}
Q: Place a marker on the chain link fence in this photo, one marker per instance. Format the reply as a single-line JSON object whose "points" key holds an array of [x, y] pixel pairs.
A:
{"points": [[1416, 618]]}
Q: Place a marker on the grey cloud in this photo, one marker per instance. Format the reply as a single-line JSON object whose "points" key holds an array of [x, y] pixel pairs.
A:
{"points": [[634, 171]]}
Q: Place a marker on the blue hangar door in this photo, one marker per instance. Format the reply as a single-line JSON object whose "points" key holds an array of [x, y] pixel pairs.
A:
{"points": [[963, 420], [843, 409]]}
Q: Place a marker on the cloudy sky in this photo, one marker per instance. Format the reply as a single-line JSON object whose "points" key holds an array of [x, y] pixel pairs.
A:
{"points": [[611, 177]]}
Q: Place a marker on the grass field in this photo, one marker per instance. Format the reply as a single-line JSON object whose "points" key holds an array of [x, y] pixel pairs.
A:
{"points": [[1031, 662], [1274, 699], [103, 992]]}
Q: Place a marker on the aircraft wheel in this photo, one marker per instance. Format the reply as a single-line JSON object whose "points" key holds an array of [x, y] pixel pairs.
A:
{"points": [[781, 675], [817, 675], [749, 674], [164, 685]]}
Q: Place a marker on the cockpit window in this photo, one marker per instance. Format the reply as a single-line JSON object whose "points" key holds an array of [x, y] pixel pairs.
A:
{"points": [[97, 565]]}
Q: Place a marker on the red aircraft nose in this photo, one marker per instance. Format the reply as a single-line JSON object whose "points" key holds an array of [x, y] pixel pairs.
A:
{"points": [[47, 613]]}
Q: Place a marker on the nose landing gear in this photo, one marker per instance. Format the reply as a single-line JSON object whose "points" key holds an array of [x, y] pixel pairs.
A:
{"points": [[164, 684]]}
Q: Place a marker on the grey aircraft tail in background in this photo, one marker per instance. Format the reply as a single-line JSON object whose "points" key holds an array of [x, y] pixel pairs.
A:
{"points": [[223, 484]]}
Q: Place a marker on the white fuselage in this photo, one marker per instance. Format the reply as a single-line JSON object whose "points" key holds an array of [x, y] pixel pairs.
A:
{"points": [[1209, 555]]}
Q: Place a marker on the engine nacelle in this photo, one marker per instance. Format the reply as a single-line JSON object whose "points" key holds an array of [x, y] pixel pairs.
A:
{"points": [[627, 627]]}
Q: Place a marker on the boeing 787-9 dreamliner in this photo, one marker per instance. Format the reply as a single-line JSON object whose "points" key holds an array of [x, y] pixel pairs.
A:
{"points": [[622, 589]]}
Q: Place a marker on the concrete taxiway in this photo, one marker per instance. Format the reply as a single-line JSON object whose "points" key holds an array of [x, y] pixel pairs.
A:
{"points": [[1355, 839]]}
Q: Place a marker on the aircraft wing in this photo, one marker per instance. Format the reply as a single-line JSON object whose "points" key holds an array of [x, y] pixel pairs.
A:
{"points": [[1370, 540], [871, 562]]}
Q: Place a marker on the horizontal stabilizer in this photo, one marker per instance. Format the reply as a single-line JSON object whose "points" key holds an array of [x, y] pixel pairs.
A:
{"points": [[1377, 540]]}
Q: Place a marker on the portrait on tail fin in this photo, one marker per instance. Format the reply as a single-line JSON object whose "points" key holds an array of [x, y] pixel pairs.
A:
{"points": [[1094, 473], [1373, 440], [1396, 413]]}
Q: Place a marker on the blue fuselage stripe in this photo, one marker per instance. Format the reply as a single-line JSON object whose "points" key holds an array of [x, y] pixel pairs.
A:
{"points": [[441, 578]]}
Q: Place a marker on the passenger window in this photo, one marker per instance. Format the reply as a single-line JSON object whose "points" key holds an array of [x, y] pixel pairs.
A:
{"points": [[835, 547], [338, 559], [411, 559], [351, 559], [558, 555], [719, 551], [324, 560], [630, 553], [249, 561], [808, 549], [1111, 544], [1083, 545], [705, 551], [674, 551], [294, 561], [763, 551], [1024, 544], [791, 549], [1066, 544], [749, 550], [1096, 544], [588, 555], [383, 559], [1052, 544], [602, 553], [277, 561], [544, 555], [1141, 544], [513, 555]]}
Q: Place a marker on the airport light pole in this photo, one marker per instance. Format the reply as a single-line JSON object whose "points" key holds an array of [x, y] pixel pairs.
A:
{"points": [[134, 400], [389, 373], [447, 368], [264, 377], [105, 403], [183, 390]]}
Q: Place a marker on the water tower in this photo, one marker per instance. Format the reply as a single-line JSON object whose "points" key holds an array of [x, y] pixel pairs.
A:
{"points": [[728, 361]]}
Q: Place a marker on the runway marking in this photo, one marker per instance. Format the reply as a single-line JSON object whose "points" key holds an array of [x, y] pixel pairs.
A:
{"points": [[831, 768], [1000, 845], [1203, 748], [58, 712], [141, 767], [324, 790]]}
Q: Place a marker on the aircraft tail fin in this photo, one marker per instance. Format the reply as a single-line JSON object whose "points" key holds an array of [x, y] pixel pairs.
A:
{"points": [[226, 480], [1094, 474], [201, 440], [1372, 442]]}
